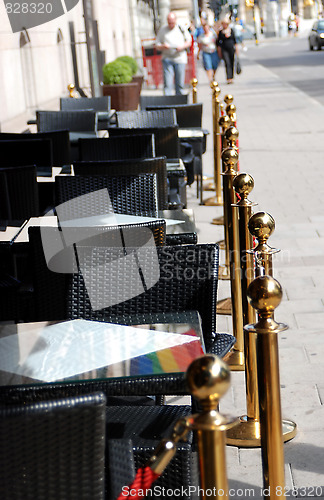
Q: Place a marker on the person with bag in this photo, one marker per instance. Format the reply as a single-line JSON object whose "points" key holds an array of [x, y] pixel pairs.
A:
{"points": [[173, 41], [227, 48], [207, 46]]}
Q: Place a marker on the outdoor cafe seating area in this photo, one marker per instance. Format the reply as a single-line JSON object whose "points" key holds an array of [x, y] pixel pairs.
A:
{"points": [[106, 294]]}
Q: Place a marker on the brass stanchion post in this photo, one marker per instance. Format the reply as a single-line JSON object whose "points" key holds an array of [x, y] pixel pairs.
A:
{"points": [[194, 83], [264, 294], [71, 88], [230, 158], [208, 379], [261, 226], [224, 123], [216, 200], [243, 185], [230, 135], [247, 433]]}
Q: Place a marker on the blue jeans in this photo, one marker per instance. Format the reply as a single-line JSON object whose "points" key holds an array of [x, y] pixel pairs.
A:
{"points": [[173, 71]]}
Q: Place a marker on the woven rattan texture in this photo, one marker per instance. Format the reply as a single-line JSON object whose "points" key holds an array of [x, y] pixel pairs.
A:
{"points": [[19, 194], [145, 119], [130, 167], [101, 103], [188, 115], [146, 426], [50, 288], [74, 121], [117, 148], [166, 139], [53, 450], [164, 100], [132, 195], [182, 239], [188, 281]]}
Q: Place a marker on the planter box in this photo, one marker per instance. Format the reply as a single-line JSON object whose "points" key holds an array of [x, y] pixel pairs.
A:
{"points": [[124, 96]]}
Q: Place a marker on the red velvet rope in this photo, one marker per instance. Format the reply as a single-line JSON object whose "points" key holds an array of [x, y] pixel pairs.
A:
{"points": [[143, 480]]}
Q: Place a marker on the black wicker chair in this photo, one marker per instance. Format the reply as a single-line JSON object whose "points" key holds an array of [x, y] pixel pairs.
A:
{"points": [[69, 448], [164, 100], [189, 116], [18, 194], [124, 147], [167, 143], [74, 121], [131, 195], [61, 154], [188, 281], [166, 138], [20, 152], [52, 450], [50, 288], [146, 119], [130, 167], [99, 104]]}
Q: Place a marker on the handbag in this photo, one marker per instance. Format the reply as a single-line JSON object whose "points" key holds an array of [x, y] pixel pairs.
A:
{"points": [[238, 66]]}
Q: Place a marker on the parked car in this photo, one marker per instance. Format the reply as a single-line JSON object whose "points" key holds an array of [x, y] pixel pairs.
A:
{"points": [[316, 36]]}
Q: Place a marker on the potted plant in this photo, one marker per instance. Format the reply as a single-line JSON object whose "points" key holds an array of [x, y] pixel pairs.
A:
{"points": [[117, 83], [132, 63]]}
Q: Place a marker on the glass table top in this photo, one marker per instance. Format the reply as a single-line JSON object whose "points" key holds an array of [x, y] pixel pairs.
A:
{"points": [[92, 350]]}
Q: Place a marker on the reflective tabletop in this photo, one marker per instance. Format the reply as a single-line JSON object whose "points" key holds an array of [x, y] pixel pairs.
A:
{"points": [[90, 350]]}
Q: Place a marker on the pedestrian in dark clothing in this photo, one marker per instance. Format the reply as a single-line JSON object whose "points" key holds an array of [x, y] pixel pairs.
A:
{"points": [[227, 48]]}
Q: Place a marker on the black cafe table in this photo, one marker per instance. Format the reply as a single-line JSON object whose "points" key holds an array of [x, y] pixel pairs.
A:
{"points": [[79, 356]]}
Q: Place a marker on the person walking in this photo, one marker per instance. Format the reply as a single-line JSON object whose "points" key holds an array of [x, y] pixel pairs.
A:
{"points": [[207, 46], [227, 48], [173, 41]]}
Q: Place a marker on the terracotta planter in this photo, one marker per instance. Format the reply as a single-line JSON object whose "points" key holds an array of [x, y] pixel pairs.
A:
{"points": [[124, 96], [139, 79]]}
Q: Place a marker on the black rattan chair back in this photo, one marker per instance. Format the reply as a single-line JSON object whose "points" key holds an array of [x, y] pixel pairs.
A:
{"points": [[130, 167], [146, 119], [61, 154], [53, 450], [131, 195], [164, 100], [50, 288], [188, 115], [74, 121], [166, 139], [17, 153], [101, 103], [188, 281], [18, 193], [124, 147]]}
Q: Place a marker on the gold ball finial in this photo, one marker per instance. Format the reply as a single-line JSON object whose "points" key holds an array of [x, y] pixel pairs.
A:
{"points": [[264, 294], [261, 225], [71, 88], [224, 122], [228, 99], [217, 91], [230, 109], [243, 184], [194, 82], [208, 378], [231, 134], [230, 158]]}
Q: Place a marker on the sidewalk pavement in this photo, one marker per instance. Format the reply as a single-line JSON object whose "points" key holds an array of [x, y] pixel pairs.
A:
{"points": [[281, 146]]}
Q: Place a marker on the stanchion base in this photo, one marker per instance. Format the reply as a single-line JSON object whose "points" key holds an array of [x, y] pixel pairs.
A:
{"points": [[236, 361], [223, 273], [213, 202], [209, 187], [206, 178], [218, 221], [224, 307], [221, 244], [248, 433]]}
